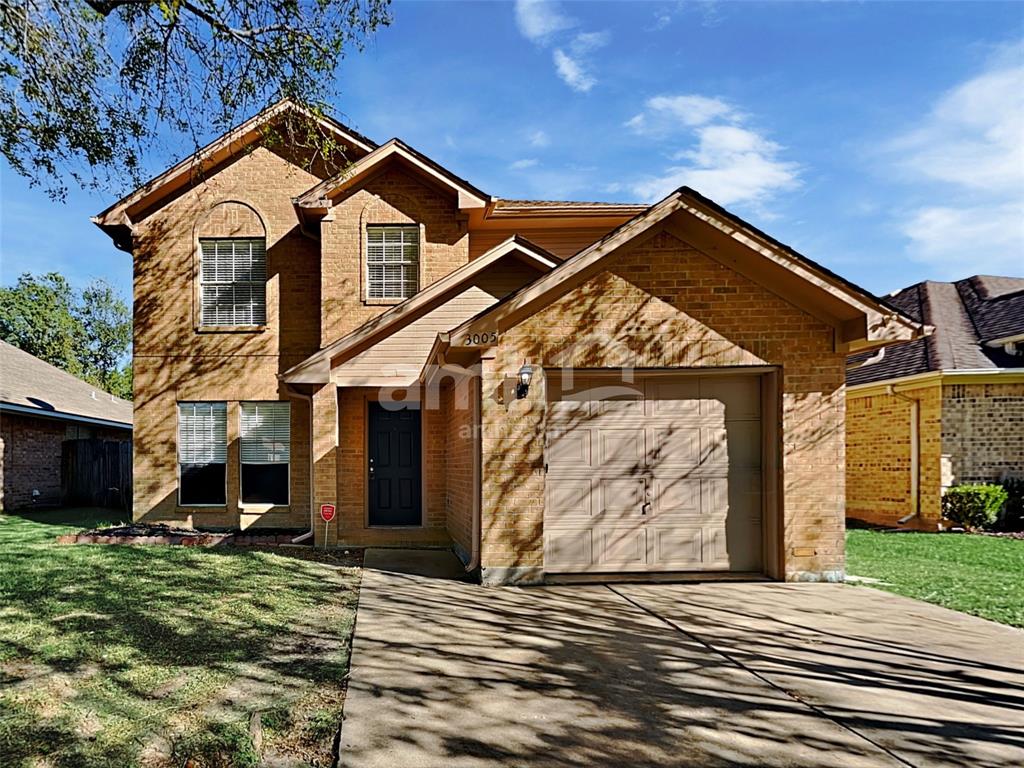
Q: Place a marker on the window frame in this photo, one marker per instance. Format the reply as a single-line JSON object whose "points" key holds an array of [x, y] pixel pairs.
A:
{"points": [[177, 453], [242, 504], [368, 284], [201, 324]]}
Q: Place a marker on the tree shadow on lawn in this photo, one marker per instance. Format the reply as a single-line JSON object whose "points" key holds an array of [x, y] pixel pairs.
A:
{"points": [[112, 653]]}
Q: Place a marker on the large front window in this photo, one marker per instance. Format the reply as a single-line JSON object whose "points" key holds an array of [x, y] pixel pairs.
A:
{"points": [[266, 451], [392, 261], [233, 279]]}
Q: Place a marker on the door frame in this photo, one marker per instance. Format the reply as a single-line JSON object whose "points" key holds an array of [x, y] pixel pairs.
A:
{"points": [[373, 397], [772, 480]]}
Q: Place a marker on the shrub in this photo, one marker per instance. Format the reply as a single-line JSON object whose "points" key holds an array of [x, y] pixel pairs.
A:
{"points": [[973, 505], [1012, 518]]}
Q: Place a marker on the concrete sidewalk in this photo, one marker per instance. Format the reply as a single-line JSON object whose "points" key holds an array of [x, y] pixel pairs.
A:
{"points": [[452, 674]]}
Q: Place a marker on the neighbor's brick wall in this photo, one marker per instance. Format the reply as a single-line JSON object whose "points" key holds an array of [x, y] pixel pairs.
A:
{"points": [[173, 362], [878, 466], [663, 304], [982, 432], [31, 451], [392, 197]]}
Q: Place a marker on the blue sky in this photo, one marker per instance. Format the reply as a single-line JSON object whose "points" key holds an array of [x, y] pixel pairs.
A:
{"points": [[884, 140]]}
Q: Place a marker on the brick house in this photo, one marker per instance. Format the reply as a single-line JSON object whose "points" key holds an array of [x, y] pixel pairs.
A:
{"points": [[40, 408], [941, 410], [546, 387]]}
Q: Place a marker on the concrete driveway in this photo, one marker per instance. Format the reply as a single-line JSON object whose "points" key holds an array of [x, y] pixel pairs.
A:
{"points": [[452, 674]]}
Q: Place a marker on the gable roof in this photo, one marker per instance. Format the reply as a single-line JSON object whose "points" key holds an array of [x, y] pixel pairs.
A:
{"points": [[320, 197], [117, 219], [316, 368], [971, 317], [861, 318], [33, 387]]}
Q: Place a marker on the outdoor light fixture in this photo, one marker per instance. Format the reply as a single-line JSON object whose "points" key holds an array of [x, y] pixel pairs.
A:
{"points": [[525, 374]]}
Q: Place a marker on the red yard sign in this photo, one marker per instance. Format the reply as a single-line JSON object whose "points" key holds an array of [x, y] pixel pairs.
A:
{"points": [[327, 512]]}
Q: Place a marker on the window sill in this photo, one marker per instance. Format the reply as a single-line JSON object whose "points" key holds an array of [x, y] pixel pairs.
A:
{"points": [[230, 328], [258, 508], [200, 507], [382, 302]]}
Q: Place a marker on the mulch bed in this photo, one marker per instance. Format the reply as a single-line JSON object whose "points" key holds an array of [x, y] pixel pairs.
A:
{"points": [[186, 537]]}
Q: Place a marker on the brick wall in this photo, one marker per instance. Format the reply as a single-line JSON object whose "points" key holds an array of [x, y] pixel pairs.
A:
{"points": [[392, 197], [174, 362], [31, 450], [663, 304], [459, 447], [878, 456], [982, 432]]}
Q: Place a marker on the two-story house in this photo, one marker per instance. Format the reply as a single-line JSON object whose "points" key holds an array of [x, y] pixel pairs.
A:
{"points": [[549, 388]]}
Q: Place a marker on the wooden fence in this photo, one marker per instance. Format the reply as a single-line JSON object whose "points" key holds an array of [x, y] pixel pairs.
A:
{"points": [[97, 473]]}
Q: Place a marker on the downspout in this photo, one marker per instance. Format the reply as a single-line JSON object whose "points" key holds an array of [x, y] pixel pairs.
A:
{"points": [[915, 452], [474, 557], [312, 499]]}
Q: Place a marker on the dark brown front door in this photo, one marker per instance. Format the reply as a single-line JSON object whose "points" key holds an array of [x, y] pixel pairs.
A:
{"points": [[394, 466]]}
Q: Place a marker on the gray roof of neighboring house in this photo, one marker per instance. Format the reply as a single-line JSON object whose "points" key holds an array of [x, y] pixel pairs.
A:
{"points": [[966, 314], [30, 385]]}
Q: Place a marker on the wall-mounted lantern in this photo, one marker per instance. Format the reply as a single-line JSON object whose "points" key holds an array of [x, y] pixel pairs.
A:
{"points": [[523, 386]]}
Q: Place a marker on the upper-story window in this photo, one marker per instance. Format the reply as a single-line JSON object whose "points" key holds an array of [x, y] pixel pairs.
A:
{"points": [[233, 279], [392, 261]]}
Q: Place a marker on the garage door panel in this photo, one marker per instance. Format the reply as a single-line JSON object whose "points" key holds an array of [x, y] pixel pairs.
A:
{"points": [[736, 552], [743, 443], [677, 547], [734, 398], [571, 500], [676, 446], [625, 547], [571, 449], [620, 447], [714, 447], [620, 497], [678, 398], [569, 549], [675, 497]]}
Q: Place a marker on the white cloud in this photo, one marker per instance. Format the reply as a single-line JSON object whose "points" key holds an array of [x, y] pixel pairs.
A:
{"points": [[526, 162], [730, 162], [572, 72], [544, 23], [538, 138], [666, 114], [539, 20], [968, 240], [972, 144]]}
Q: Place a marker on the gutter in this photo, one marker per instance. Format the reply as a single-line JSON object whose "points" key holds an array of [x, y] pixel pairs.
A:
{"points": [[312, 498], [915, 451], [27, 410]]}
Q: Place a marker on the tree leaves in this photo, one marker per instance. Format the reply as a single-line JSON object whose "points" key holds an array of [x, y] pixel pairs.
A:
{"points": [[90, 85], [87, 333]]}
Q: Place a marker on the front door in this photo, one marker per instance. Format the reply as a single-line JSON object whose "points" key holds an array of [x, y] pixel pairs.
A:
{"points": [[393, 466]]}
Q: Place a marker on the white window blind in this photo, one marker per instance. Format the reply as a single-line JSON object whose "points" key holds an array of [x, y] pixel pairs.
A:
{"points": [[202, 433], [392, 261], [233, 277], [266, 433]]}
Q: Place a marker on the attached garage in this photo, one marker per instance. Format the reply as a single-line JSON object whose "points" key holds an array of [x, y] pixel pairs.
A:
{"points": [[661, 473]]}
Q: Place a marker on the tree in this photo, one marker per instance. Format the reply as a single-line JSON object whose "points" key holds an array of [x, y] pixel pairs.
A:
{"points": [[107, 330], [89, 85], [87, 333]]}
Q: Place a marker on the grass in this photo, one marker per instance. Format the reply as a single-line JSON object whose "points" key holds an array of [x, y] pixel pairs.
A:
{"points": [[116, 656], [980, 575]]}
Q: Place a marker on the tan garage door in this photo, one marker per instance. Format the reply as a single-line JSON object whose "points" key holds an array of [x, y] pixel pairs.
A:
{"points": [[663, 474]]}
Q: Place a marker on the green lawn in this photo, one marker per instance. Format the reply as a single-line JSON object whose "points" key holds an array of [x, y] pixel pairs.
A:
{"points": [[156, 656], [981, 575]]}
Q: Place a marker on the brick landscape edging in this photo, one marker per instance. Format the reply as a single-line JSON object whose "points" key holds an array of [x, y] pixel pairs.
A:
{"points": [[197, 540]]}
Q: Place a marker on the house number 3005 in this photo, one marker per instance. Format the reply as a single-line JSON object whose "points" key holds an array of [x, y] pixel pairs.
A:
{"points": [[476, 339]]}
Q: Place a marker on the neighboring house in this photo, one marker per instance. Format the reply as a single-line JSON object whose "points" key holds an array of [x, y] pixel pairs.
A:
{"points": [[358, 341], [40, 407], [939, 411]]}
